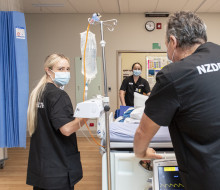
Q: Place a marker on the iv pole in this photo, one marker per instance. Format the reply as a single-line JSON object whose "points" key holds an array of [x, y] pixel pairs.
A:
{"points": [[106, 98]]}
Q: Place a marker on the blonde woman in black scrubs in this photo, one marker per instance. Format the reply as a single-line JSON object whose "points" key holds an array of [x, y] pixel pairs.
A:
{"points": [[54, 160]]}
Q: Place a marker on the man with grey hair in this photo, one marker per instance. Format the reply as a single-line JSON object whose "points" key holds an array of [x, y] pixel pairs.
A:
{"points": [[186, 98]]}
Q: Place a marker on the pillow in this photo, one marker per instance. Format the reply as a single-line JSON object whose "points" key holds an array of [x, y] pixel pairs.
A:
{"points": [[139, 100], [137, 113]]}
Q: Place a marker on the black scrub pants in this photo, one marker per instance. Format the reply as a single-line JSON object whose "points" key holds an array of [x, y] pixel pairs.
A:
{"points": [[65, 188]]}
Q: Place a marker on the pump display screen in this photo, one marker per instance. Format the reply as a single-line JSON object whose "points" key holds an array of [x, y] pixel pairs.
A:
{"points": [[169, 178]]}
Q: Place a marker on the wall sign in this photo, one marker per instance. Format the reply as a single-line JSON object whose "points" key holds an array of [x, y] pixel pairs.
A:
{"points": [[20, 33]]}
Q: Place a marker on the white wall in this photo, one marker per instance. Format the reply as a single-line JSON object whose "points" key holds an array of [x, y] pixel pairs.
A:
{"points": [[48, 33]]}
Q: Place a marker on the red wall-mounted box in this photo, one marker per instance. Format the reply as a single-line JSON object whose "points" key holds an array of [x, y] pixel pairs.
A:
{"points": [[158, 25]]}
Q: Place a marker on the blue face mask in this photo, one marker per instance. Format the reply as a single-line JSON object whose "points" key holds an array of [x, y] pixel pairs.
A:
{"points": [[137, 72], [170, 60], [61, 78]]}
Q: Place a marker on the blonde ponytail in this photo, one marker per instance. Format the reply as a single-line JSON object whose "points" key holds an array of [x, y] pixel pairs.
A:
{"points": [[32, 106]]}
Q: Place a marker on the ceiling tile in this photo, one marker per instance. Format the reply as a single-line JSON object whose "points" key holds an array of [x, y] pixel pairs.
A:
{"points": [[87, 6], [124, 6], [48, 6], [109, 6], [171, 5], [142, 6], [210, 6]]}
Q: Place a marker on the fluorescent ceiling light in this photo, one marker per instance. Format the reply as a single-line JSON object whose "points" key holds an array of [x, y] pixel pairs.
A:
{"points": [[48, 5]]}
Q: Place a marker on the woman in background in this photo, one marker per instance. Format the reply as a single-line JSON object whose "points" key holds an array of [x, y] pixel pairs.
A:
{"points": [[131, 84], [54, 159]]}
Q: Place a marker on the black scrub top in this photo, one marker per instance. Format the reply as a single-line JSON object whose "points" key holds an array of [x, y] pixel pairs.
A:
{"points": [[186, 97], [54, 160], [129, 86]]}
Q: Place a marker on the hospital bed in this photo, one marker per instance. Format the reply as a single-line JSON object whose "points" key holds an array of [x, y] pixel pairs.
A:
{"points": [[126, 171]]}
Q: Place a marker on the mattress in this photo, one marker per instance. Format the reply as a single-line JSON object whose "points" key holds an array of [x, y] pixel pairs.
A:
{"points": [[124, 132]]}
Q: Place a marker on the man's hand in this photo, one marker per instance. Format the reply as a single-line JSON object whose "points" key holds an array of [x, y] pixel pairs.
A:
{"points": [[151, 154]]}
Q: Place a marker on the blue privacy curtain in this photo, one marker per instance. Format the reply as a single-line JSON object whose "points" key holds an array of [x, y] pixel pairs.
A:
{"points": [[14, 86]]}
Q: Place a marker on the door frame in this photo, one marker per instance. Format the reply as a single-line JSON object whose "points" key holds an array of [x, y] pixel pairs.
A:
{"points": [[118, 67]]}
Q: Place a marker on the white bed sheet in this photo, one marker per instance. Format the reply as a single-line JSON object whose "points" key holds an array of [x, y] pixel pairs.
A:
{"points": [[124, 132]]}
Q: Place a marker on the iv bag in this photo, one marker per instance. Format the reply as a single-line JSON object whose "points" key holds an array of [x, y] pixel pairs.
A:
{"points": [[90, 58]]}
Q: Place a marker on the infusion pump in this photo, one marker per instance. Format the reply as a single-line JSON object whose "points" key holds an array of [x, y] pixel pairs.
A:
{"points": [[92, 108]]}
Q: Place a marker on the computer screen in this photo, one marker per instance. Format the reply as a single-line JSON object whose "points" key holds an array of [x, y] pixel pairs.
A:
{"points": [[169, 178]]}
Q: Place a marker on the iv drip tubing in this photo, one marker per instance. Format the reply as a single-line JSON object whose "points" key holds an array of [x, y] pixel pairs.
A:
{"points": [[84, 63], [93, 136]]}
